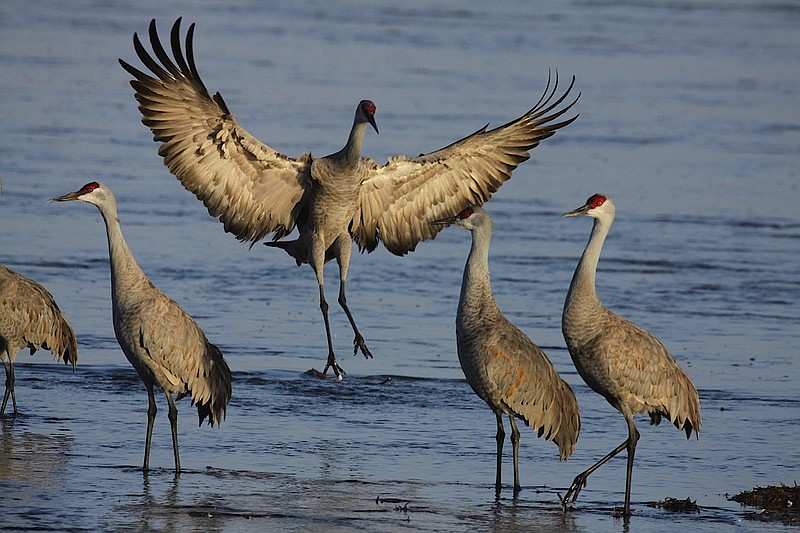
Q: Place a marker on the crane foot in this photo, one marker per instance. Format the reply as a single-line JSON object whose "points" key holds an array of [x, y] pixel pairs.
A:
{"points": [[333, 364], [577, 485], [360, 344]]}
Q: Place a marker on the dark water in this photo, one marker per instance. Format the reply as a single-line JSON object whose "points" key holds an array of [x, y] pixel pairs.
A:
{"points": [[690, 120]]}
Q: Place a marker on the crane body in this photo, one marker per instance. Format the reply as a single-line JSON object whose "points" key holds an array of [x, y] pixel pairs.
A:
{"points": [[255, 190], [619, 360], [160, 340]]}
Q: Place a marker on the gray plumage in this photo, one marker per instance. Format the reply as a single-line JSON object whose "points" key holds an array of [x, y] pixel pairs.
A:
{"points": [[255, 190], [162, 342], [620, 361], [502, 365], [30, 318]]}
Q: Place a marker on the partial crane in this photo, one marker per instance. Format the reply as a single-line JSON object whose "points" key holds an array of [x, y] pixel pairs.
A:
{"points": [[162, 342], [502, 365], [30, 318], [255, 190], [620, 361]]}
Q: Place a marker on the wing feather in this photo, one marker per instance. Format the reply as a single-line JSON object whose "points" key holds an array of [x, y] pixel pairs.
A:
{"points": [[652, 376], [31, 318], [180, 352], [531, 388], [400, 198], [252, 189]]}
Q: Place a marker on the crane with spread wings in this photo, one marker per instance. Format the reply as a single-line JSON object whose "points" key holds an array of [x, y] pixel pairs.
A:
{"points": [[334, 200]]}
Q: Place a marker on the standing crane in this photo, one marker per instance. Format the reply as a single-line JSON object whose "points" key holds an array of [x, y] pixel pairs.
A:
{"points": [[30, 318], [620, 361], [162, 342], [502, 365], [255, 190]]}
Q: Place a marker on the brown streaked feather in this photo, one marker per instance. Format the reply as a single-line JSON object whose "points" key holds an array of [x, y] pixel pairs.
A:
{"points": [[526, 383], [252, 189], [653, 381], [30, 318], [401, 198]]}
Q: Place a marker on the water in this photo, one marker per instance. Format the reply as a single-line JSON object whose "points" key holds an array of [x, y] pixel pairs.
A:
{"points": [[689, 120]]}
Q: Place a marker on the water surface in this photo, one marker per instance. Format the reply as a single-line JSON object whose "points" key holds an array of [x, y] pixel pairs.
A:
{"points": [[689, 119]]}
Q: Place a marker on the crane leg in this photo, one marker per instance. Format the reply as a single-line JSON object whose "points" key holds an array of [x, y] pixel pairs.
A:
{"points": [[331, 362], [152, 409], [500, 437], [358, 341], [515, 438], [173, 422], [580, 480], [343, 245], [633, 438], [8, 365]]}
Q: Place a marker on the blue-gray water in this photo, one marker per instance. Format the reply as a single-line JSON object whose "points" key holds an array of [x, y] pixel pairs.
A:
{"points": [[689, 119]]}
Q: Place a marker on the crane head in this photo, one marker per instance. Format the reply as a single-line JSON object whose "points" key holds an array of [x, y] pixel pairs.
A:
{"points": [[366, 113], [596, 206], [93, 193], [469, 217]]}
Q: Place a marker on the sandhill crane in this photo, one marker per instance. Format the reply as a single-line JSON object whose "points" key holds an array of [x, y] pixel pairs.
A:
{"points": [[162, 342], [620, 361], [255, 190], [30, 318], [502, 365]]}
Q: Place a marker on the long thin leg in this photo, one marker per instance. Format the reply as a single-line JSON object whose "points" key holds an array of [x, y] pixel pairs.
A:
{"points": [[358, 342], [8, 366], [344, 244], [633, 438], [580, 480], [500, 437], [13, 392], [331, 362], [317, 262], [152, 409], [173, 422], [515, 438]]}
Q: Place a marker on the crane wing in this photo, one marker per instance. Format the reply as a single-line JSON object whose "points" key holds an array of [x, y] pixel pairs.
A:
{"points": [[652, 376], [252, 189], [401, 198], [176, 346], [30, 312], [531, 387]]}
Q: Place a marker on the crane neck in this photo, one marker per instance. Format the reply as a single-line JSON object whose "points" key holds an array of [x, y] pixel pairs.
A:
{"points": [[582, 289], [476, 286], [125, 271], [350, 155]]}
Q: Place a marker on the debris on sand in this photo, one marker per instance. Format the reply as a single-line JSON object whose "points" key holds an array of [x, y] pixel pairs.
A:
{"points": [[776, 503]]}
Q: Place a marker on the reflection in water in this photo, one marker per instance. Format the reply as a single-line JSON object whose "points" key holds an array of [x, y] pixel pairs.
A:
{"points": [[36, 458], [34, 467], [160, 512]]}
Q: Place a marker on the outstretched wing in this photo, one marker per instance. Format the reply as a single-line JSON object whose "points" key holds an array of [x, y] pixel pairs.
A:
{"points": [[250, 187], [400, 199]]}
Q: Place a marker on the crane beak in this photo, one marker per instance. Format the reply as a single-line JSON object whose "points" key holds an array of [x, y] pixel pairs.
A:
{"points": [[371, 119], [577, 212], [444, 221], [66, 198]]}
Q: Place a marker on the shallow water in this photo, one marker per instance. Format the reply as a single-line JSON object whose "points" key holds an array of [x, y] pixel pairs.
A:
{"points": [[689, 120]]}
